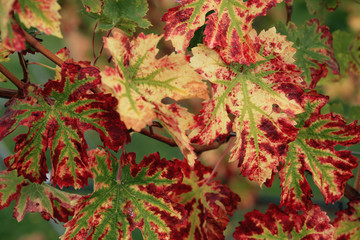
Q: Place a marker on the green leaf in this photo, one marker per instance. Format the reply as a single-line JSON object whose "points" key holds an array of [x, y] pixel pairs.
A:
{"points": [[123, 14], [139, 199]]}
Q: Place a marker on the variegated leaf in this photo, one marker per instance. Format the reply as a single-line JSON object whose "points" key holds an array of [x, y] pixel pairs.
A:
{"points": [[313, 151], [277, 224], [347, 223], [209, 203], [227, 27], [176, 121], [137, 199], [250, 94], [140, 79], [57, 117], [41, 14]]}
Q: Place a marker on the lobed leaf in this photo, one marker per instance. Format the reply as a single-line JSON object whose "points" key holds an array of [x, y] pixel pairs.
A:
{"points": [[226, 28], [278, 224], [346, 224], [33, 197], [140, 81], [316, 6], [136, 200], [314, 151], [57, 117], [41, 14], [209, 204], [123, 14], [314, 49], [250, 94]]}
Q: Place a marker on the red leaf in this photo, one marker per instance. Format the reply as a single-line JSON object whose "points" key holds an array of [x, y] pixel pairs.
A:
{"points": [[57, 118]]}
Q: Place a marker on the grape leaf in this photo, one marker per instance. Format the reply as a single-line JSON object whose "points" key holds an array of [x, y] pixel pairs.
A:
{"points": [[176, 120], [57, 117], [313, 151], [41, 14], [250, 93], [15, 40], [137, 200], [33, 197], [226, 28], [123, 14], [316, 6], [209, 204], [346, 49], [93, 6], [346, 224], [314, 49], [4, 53], [5, 9], [140, 79], [278, 224]]}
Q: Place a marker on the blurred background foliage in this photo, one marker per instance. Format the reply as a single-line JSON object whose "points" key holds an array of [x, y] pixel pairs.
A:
{"points": [[79, 35]]}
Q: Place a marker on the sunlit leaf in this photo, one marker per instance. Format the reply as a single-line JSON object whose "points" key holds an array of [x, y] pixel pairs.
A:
{"points": [[41, 14], [140, 79], [251, 94], [137, 199], [57, 117]]}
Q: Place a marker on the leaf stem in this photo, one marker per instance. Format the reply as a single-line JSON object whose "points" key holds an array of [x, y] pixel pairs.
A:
{"points": [[43, 65], [19, 84], [226, 151], [7, 93]]}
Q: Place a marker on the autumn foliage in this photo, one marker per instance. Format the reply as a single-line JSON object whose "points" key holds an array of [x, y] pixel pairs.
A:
{"points": [[259, 91]]}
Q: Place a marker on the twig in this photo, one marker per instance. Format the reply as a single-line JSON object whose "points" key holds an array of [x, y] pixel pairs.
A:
{"points": [[158, 137], [19, 84], [24, 67], [226, 151], [169, 141], [46, 52], [7, 93]]}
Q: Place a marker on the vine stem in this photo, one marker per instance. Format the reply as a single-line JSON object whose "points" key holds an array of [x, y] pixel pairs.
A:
{"points": [[169, 141], [19, 84], [43, 50], [7, 93], [226, 151]]}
